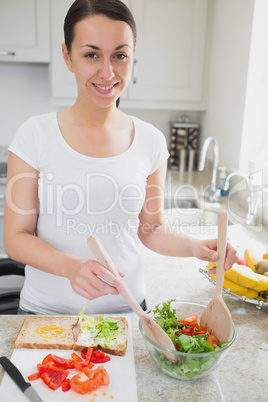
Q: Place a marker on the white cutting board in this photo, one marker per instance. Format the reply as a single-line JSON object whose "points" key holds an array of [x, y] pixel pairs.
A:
{"points": [[121, 370]]}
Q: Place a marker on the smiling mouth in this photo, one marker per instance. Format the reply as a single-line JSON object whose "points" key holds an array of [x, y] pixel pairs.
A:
{"points": [[105, 88]]}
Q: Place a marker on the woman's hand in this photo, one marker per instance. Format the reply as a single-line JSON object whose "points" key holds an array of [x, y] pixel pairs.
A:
{"points": [[91, 280], [206, 250]]}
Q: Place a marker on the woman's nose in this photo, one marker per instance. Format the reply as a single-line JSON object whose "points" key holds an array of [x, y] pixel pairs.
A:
{"points": [[106, 69]]}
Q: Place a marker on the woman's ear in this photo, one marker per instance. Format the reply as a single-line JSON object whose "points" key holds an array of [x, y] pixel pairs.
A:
{"points": [[67, 57]]}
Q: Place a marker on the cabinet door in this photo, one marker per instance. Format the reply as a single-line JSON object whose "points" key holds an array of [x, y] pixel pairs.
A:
{"points": [[63, 85], [24, 30], [170, 54]]}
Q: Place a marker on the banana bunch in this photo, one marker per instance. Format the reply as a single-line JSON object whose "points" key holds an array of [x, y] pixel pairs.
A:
{"points": [[248, 277]]}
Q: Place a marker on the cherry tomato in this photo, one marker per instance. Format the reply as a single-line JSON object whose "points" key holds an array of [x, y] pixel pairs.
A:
{"points": [[213, 341]]}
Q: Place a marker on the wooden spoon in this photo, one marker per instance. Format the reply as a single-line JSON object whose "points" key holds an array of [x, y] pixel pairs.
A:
{"points": [[151, 328], [216, 315]]}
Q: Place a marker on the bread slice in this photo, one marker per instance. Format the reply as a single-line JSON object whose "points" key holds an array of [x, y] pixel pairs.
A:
{"points": [[116, 346], [41, 332]]}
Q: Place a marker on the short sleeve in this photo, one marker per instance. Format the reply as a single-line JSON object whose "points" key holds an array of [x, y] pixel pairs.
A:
{"points": [[25, 143], [161, 153]]}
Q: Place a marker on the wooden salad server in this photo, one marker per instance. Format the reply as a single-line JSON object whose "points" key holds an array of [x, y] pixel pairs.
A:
{"points": [[151, 328], [216, 315]]}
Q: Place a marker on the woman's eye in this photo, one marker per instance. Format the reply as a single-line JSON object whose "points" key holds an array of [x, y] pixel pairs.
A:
{"points": [[91, 55], [121, 56]]}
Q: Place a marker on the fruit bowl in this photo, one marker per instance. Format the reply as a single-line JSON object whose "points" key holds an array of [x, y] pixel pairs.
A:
{"points": [[258, 303], [189, 366]]}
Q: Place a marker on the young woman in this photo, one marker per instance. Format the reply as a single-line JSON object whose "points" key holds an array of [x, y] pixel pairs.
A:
{"points": [[90, 170]]}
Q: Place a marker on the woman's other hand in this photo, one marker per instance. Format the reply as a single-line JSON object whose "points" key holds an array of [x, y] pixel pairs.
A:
{"points": [[206, 250], [91, 280]]}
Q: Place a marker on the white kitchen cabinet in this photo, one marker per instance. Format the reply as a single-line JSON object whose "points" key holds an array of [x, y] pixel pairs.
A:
{"points": [[170, 56], [25, 30], [63, 86], [170, 59]]}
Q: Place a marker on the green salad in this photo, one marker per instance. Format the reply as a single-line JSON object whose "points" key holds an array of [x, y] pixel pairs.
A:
{"points": [[191, 339]]}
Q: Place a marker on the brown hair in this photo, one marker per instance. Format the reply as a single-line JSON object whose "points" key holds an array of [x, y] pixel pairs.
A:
{"points": [[81, 9]]}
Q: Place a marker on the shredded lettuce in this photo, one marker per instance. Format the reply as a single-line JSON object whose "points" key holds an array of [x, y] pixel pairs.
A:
{"points": [[104, 330]]}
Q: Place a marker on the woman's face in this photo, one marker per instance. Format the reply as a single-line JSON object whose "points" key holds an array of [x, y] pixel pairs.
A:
{"points": [[101, 58]]}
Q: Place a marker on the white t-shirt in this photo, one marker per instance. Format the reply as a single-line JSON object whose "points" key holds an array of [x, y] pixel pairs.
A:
{"points": [[81, 196]]}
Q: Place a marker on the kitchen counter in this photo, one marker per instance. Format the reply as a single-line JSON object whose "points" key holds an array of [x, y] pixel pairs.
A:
{"points": [[242, 375]]}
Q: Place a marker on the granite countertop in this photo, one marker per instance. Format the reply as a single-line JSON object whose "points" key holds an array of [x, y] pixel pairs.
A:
{"points": [[241, 376]]}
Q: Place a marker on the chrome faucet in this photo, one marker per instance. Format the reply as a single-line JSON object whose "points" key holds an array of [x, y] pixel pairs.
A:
{"points": [[213, 191], [251, 217]]}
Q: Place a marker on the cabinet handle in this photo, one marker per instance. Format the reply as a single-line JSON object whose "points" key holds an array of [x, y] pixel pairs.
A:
{"points": [[135, 72], [7, 53]]}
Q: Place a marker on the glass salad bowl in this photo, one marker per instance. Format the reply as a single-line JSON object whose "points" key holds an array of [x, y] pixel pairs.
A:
{"points": [[190, 365]]}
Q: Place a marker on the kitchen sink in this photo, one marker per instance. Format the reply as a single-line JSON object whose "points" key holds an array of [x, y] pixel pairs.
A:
{"points": [[189, 216], [175, 203], [184, 216]]}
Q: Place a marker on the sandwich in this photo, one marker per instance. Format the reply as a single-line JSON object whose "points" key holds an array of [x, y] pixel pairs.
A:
{"points": [[41, 332], [109, 334]]}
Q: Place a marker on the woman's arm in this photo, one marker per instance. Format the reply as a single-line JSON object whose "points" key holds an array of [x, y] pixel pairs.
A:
{"points": [[154, 235], [21, 244]]}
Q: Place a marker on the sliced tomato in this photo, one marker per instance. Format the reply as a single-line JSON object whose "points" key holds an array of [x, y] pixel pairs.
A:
{"points": [[34, 376], [81, 384], [93, 373], [61, 362], [190, 318], [87, 369], [47, 359], [178, 347], [213, 341], [54, 377], [191, 323], [105, 377], [65, 386], [200, 330]]}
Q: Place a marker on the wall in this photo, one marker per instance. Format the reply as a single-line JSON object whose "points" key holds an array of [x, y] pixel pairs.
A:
{"points": [[255, 128], [227, 79]]}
